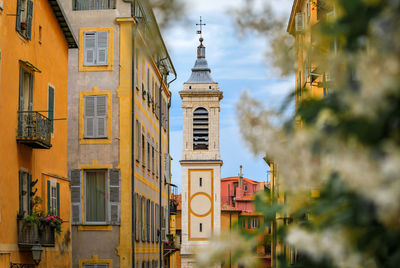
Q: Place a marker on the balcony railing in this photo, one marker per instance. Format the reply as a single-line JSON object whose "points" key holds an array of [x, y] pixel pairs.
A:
{"points": [[94, 4], [29, 233], [34, 129]]}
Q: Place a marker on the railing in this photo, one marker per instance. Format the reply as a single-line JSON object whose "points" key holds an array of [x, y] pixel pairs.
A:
{"points": [[173, 205], [29, 233], [34, 129], [94, 4]]}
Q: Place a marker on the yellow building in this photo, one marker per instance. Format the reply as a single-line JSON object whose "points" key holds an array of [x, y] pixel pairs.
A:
{"points": [[35, 37], [311, 78], [118, 134]]}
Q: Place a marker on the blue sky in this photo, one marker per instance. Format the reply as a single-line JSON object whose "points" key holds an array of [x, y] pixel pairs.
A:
{"points": [[237, 65]]}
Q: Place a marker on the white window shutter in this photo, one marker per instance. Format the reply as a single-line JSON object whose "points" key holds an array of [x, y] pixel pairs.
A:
{"points": [[89, 116], [101, 115], [89, 48], [102, 48]]}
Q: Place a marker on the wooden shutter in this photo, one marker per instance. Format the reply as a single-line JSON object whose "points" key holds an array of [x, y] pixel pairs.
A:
{"points": [[152, 221], [90, 116], [51, 108], [89, 47], [18, 24], [142, 218], [136, 217], [101, 116], [29, 194], [21, 186], [157, 219], [102, 48], [29, 20], [114, 196], [58, 199], [48, 197], [76, 208]]}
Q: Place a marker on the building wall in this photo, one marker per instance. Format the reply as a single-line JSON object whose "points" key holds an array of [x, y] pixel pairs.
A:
{"points": [[114, 152], [50, 55]]}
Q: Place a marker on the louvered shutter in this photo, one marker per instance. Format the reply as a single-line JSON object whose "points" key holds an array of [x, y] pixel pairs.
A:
{"points": [[139, 234], [30, 205], [75, 177], [18, 23], [90, 116], [114, 196], [51, 108], [101, 116], [48, 197], [29, 20], [21, 189], [157, 223], [136, 220], [58, 199], [152, 221], [139, 142], [102, 48], [89, 48]]}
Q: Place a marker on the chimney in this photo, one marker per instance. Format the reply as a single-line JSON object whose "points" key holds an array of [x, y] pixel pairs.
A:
{"points": [[240, 181]]}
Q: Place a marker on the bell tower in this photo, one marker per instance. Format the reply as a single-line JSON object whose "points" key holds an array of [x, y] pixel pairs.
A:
{"points": [[201, 159]]}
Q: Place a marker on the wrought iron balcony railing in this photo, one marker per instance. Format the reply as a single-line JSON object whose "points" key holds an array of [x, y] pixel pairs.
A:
{"points": [[29, 233], [34, 129]]}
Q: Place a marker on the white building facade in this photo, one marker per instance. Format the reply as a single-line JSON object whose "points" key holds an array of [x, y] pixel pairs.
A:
{"points": [[201, 160]]}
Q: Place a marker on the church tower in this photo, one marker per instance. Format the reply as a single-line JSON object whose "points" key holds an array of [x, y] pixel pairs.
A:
{"points": [[201, 159]]}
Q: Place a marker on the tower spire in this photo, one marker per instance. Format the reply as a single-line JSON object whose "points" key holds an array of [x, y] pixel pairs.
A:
{"points": [[201, 49]]}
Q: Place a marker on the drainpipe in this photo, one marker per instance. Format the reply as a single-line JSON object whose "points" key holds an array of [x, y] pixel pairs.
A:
{"points": [[160, 173]]}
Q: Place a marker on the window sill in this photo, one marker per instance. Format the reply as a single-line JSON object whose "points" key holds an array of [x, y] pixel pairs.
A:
{"points": [[95, 68], [95, 141], [95, 228]]}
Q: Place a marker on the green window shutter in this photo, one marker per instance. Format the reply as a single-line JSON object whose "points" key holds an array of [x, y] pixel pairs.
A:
{"points": [[29, 20], [18, 23], [29, 194], [48, 197], [58, 199], [89, 47], [51, 108], [21, 200], [102, 48], [89, 116]]}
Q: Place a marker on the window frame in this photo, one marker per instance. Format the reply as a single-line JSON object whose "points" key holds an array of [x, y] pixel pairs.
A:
{"points": [[105, 197]]}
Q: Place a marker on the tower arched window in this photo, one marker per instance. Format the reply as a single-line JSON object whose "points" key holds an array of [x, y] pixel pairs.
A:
{"points": [[200, 129]]}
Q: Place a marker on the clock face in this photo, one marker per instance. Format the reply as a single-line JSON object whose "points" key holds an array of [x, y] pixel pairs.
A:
{"points": [[200, 204]]}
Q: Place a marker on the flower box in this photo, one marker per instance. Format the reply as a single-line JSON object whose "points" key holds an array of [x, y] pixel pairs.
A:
{"points": [[28, 234]]}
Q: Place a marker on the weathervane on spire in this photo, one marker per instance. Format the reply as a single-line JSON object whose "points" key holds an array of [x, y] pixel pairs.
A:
{"points": [[200, 32]]}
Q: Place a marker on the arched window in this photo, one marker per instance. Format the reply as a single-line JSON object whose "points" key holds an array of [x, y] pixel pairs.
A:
{"points": [[200, 129]]}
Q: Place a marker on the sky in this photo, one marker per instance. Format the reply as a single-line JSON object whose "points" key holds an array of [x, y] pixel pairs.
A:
{"points": [[238, 65]]}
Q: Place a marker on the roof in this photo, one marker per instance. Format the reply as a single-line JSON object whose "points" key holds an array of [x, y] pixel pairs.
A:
{"points": [[237, 177], [225, 207], [248, 197], [63, 22], [201, 71]]}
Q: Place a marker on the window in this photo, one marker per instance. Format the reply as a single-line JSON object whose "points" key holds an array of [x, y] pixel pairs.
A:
{"points": [[136, 222], [51, 108], [25, 189], [157, 100], [200, 129], [148, 209], [148, 87], [53, 197], [138, 140], [152, 159], [137, 69], [156, 223], [245, 187], [95, 196], [201, 182], [95, 48], [95, 265], [25, 90], [143, 221], [140, 217], [95, 116], [24, 18], [148, 156], [201, 227], [93, 4], [152, 221]]}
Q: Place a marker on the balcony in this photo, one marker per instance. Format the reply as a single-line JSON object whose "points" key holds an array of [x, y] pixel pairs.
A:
{"points": [[173, 207], [29, 233], [172, 245], [34, 130]]}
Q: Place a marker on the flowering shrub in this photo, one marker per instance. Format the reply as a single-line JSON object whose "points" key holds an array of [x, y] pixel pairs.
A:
{"points": [[53, 221]]}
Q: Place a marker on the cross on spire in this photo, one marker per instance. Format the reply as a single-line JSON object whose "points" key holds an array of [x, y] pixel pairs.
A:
{"points": [[201, 24]]}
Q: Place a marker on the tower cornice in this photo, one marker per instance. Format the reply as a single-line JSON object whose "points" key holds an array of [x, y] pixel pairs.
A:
{"points": [[201, 93]]}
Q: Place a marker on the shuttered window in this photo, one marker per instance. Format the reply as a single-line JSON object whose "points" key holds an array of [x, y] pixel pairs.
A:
{"points": [[24, 18], [200, 129], [114, 193], [95, 116], [95, 48], [76, 209], [53, 198], [138, 140], [95, 197], [51, 108], [25, 189]]}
